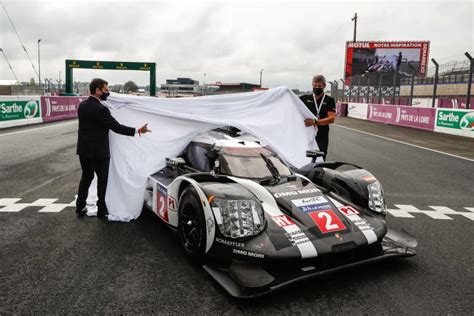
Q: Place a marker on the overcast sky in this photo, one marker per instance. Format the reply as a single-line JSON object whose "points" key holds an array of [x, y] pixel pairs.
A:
{"points": [[229, 41]]}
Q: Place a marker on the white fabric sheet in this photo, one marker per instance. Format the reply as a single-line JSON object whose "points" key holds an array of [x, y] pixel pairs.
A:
{"points": [[275, 116]]}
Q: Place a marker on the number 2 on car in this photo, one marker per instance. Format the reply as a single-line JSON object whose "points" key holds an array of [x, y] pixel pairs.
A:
{"points": [[327, 221], [162, 203]]}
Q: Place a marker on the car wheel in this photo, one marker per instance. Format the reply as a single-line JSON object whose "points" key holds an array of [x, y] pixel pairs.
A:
{"points": [[191, 224]]}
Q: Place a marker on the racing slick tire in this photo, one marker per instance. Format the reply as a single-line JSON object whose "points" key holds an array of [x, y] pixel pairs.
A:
{"points": [[191, 225]]}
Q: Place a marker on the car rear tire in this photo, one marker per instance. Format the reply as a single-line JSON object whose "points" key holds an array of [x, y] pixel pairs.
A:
{"points": [[191, 225]]}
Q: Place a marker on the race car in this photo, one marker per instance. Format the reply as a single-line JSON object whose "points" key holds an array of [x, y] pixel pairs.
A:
{"points": [[257, 224]]}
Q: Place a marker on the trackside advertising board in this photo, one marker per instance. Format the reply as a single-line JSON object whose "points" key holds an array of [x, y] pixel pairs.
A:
{"points": [[423, 118], [357, 110], [457, 122], [59, 108], [19, 111]]}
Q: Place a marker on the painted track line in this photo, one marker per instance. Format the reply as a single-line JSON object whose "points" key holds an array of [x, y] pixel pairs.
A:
{"points": [[38, 128], [404, 143]]}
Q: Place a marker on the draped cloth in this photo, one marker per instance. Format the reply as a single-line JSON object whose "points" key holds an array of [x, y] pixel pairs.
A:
{"points": [[275, 117]]}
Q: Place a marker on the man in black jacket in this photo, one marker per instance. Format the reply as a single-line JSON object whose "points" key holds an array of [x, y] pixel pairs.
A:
{"points": [[95, 121], [324, 108]]}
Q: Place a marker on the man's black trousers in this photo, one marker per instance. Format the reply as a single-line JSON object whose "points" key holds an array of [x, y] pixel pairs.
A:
{"points": [[101, 167], [323, 142]]}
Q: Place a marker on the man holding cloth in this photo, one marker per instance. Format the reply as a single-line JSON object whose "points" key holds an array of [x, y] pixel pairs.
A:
{"points": [[95, 121], [324, 109]]}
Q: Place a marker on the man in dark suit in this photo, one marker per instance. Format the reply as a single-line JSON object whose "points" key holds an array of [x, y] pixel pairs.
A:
{"points": [[95, 121]]}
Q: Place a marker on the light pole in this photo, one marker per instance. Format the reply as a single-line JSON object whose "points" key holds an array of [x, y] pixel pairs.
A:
{"points": [[412, 83], [394, 85], [355, 25], [469, 83], [39, 64], [358, 89], [332, 88], [350, 90], [261, 71], [204, 85], [435, 85], [343, 86], [367, 74], [337, 89], [59, 83], [380, 88]]}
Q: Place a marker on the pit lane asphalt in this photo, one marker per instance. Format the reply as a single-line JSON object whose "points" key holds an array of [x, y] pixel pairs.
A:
{"points": [[56, 263]]}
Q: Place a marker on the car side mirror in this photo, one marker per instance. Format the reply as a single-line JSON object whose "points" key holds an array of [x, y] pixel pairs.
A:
{"points": [[314, 154], [175, 162]]}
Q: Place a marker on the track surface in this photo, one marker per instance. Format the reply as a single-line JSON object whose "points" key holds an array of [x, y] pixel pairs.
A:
{"points": [[54, 262]]}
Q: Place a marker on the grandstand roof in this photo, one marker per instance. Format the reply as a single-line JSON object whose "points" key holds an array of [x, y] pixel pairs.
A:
{"points": [[451, 68]]}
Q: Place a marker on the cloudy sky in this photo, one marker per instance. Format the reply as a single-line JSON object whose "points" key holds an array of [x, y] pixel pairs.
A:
{"points": [[229, 41]]}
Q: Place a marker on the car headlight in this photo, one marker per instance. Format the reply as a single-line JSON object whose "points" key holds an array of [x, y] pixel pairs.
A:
{"points": [[376, 200], [238, 218]]}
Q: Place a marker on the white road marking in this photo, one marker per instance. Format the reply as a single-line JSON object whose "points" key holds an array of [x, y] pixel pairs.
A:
{"points": [[34, 129], [401, 142], [48, 205], [8, 205], [437, 212]]}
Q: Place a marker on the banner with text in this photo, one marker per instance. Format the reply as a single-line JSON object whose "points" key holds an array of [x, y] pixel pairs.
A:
{"points": [[457, 122], [423, 118], [357, 110], [15, 111], [59, 108]]}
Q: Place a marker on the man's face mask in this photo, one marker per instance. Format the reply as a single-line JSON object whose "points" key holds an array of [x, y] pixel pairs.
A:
{"points": [[318, 91], [104, 95]]}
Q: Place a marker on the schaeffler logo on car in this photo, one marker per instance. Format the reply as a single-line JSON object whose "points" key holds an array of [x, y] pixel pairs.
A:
{"points": [[455, 119], [31, 109]]}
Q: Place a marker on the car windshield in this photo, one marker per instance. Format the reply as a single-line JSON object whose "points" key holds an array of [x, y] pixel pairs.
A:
{"points": [[248, 163]]}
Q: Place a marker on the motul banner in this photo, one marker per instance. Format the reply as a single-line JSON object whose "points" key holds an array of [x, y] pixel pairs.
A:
{"points": [[385, 58]]}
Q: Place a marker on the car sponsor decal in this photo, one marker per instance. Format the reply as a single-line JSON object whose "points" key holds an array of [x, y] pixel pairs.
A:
{"points": [[230, 243], [353, 215], [295, 193], [327, 221], [248, 253], [162, 202], [348, 210], [282, 220], [313, 203], [172, 205], [270, 207]]}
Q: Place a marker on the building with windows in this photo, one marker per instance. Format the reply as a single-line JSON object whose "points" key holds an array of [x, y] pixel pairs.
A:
{"points": [[180, 87], [222, 88]]}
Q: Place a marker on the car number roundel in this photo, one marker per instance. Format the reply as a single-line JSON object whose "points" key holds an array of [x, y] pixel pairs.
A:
{"points": [[162, 203], [327, 221]]}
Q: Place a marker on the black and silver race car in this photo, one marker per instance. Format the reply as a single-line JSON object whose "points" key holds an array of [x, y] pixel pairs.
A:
{"points": [[257, 224]]}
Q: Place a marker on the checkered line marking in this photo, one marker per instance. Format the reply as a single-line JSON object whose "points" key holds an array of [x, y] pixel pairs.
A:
{"points": [[47, 205], [11, 205], [436, 212]]}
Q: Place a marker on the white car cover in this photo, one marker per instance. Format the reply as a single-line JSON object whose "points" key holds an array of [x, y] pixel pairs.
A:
{"points": [[275, 116]]}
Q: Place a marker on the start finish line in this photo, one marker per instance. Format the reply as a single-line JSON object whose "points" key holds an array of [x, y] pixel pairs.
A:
{"points": [[72, 64]]}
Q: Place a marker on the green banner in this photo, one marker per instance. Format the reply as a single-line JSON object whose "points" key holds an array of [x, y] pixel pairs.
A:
{"points": [[17, 110], [463, 120], [117, 65]]}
